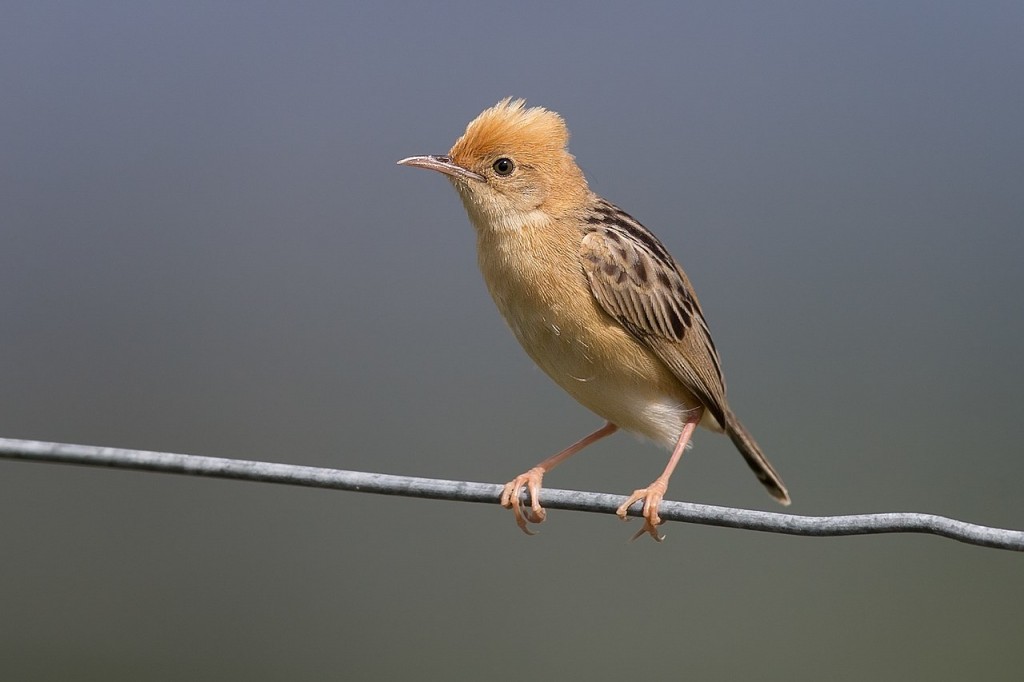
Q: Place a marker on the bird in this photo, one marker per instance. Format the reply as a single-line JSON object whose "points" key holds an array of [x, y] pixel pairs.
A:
{"points": [[593, 297]]}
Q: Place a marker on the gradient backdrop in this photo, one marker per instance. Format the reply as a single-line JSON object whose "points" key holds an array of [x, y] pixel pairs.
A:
{"points": [[207, 247]]}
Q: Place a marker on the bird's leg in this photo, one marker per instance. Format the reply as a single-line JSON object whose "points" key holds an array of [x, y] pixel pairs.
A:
{"points": [[532, 479], [652, 494]]}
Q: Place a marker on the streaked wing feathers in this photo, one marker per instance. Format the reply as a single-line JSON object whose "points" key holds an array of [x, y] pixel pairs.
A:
{"points": [[638, 283]]}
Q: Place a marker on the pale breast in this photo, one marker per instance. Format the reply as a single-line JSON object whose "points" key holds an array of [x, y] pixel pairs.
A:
{"points": [[544, 296]]}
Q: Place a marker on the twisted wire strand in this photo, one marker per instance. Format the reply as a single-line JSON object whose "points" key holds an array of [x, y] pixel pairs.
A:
{"points": [[466, 491]]}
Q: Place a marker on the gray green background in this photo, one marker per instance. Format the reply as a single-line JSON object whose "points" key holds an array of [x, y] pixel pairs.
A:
{"points": [[207, 247]]}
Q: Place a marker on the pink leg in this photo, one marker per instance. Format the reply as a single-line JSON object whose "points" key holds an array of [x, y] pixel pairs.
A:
{"points": [[653, 494], [532, 480]]}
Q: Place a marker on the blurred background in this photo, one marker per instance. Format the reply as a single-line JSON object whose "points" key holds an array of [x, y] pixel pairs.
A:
{"points": [[207, 248]]}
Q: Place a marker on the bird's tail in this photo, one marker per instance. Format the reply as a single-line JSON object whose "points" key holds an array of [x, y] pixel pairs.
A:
{"points": [[756, 460]]}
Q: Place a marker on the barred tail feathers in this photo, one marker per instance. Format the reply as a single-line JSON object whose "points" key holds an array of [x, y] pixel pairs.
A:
{"points": [[755, 458]]}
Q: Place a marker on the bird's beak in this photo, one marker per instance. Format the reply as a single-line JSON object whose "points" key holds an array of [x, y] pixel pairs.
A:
{"points": [[442, 164]]}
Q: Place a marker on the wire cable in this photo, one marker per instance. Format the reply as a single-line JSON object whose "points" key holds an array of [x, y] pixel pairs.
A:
{"points": [[466, 491]]}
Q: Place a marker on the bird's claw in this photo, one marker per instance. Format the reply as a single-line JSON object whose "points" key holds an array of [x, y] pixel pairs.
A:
{"points": [[651, 496], [510, 499]]}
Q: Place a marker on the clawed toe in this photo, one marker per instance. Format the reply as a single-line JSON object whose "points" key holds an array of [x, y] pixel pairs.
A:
{"points": [[651, 496], [510, 499], [648, 529]]}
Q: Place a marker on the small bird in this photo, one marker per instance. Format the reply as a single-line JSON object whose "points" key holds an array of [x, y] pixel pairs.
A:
{"points": [[593, 297]]}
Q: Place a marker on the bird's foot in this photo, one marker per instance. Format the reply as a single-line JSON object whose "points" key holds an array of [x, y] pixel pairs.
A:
{"points": [[510, 499], [651, 496]]}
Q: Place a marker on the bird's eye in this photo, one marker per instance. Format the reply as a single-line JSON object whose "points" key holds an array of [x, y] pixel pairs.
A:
{"points": [[503, 166]]}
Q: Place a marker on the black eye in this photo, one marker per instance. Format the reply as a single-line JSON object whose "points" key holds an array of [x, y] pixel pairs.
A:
{"points": [[503, 166]]}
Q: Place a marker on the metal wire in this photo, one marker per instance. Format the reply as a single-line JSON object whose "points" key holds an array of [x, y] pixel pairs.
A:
{"points": [[465, 491]]}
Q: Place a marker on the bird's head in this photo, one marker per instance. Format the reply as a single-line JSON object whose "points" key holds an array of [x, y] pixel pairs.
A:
{"points": [[511, 162]]}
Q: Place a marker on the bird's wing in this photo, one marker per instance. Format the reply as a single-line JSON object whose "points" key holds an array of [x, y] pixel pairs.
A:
{"points": [[638, 283]]}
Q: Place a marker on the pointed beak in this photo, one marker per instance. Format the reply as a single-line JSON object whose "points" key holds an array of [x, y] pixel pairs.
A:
{"points": [[442, 164]]}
